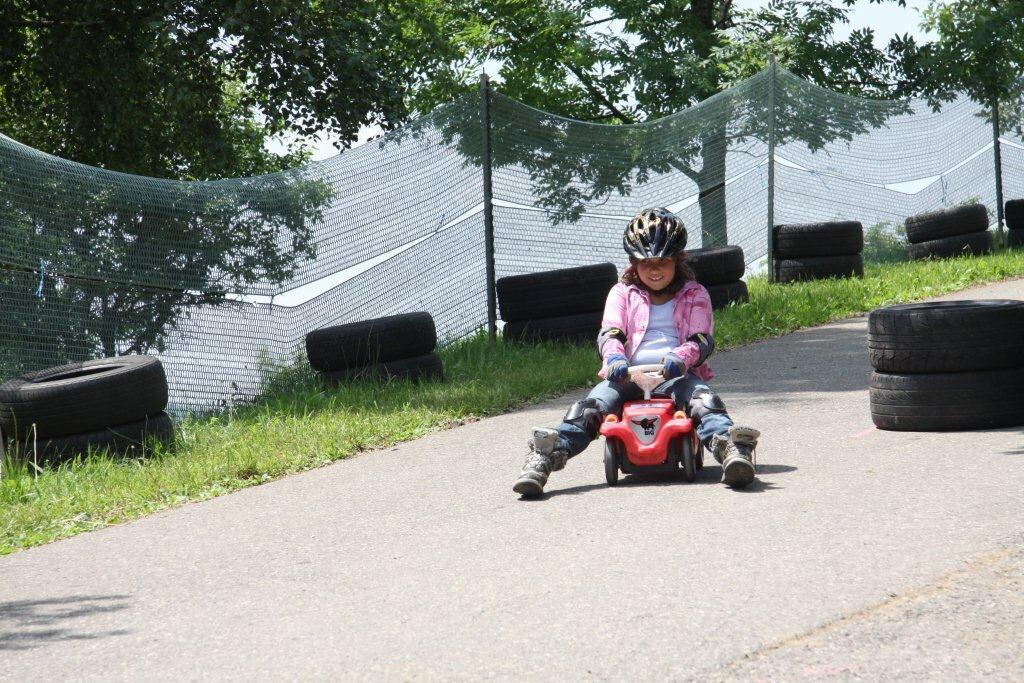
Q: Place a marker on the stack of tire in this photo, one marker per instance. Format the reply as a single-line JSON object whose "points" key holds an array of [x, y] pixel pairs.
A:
{"points": [[109, 403], [555, 305], [814, 251], [949, 232], [719, 269], [947, 365], [1014, 216], [396, 346]]}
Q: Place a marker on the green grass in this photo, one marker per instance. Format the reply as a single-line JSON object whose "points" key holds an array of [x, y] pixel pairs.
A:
{"points": [[302, 424]]}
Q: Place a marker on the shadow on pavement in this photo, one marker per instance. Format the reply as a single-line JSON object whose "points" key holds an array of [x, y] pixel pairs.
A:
{"points": [[709, 475], [26, 624]]}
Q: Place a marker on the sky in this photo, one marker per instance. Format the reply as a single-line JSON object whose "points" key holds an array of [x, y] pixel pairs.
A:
{"points": [[887, 19]]}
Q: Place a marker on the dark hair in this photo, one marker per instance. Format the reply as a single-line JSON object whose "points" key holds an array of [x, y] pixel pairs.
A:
{"points": [[683, 273]]}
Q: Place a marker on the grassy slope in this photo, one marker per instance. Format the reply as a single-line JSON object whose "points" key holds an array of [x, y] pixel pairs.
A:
{"points": [[302, 425]]}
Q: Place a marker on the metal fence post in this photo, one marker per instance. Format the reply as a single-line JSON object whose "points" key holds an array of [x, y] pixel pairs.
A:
{"points": [[771, 169], [999, 166], [485, 116]]}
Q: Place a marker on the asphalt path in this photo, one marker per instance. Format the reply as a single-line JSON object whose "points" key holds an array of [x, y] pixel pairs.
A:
{"points": [[857, 553]]}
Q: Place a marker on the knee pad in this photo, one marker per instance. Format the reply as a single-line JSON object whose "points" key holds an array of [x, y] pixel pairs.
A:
{"points": [[586, 415], [704, 401]]}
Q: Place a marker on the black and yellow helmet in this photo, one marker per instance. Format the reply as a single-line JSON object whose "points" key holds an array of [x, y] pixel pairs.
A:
{"points": [[654, 233]]}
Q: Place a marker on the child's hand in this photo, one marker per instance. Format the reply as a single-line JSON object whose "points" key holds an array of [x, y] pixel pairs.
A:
{"points": [[617, 367], [673, 367]]}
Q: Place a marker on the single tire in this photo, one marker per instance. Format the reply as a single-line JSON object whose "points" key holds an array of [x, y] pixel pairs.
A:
{"points": [[1014, 214], [612, 448], [698, 450], [83, 397], [958, 245], [819, 267], [947, 336], [984, 399], [582, 327], [131, 439], [1015, 238], [958, 220], [836, 238], [369, 342], [728, 293], [427, 366], [555, 293], [717, 265], [686, 457]]}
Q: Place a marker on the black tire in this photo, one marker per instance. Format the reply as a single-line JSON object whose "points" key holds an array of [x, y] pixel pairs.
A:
{"points": [[83, 397], [947, 336], [686, 457], [717, 265], [985, 399], [730, 292], [958, 220], [698, 450], [958, 245], [819, 267], [427, 366], [555, 293], [368, 342], [129, 440], [1014, 238], [1014, 214], [836, 238], [612, 450], [579, 328]]}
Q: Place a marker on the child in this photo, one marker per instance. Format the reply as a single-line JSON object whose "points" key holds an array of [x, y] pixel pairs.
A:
{"points": [[658, 313]]}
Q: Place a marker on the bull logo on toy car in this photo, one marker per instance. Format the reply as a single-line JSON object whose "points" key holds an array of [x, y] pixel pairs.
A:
{"points": [[649, 425]]}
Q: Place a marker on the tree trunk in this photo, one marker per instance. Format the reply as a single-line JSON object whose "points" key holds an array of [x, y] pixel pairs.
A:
{"points": [[711, 181]]}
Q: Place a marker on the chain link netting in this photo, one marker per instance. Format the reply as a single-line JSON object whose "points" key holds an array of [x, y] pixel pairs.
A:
{"points": [[224, 279]]}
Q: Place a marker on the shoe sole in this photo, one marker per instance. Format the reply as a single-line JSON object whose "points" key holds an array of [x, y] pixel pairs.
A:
{"points": [[528, 487], [741, 434], [738, 474]]}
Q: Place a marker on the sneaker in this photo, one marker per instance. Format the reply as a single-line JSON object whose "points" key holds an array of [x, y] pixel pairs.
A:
{"points": [[544, 458], [736, 454]]}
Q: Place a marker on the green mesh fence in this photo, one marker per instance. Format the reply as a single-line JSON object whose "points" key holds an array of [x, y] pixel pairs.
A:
{"points": [[224, 279]]}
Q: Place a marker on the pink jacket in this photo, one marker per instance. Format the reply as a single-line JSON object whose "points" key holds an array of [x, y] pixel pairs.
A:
{"points": [[628, 308]]}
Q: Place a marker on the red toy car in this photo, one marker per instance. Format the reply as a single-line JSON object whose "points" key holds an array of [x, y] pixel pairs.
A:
{"points": [[651, 435]]}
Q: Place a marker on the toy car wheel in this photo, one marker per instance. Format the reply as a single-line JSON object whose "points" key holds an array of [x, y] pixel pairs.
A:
{"points": [[687, 460], [612, 448], [698, 450]]}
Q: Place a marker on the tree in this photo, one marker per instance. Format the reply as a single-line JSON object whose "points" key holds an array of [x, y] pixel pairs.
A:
{"points": [[628, 61], [978, 51], [169, 89], [183, 90]]}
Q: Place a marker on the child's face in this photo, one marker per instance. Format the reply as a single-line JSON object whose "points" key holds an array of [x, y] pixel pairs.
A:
{"points": [[656, 273]]}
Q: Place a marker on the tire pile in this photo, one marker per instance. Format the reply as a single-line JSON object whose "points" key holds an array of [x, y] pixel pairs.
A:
{"points": [[719, 269], [1014, 216], [947, 365], [556, 305], [813, 251], [397, 346], [112, 403], [949, 232]]}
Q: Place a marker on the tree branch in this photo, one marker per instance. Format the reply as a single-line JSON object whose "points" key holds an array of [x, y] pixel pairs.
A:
{"points": [[724, 12], [686, 170], [597, 94]]}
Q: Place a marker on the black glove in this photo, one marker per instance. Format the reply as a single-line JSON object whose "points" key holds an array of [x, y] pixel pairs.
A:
{"points": [[673, 367], [617, 367]]}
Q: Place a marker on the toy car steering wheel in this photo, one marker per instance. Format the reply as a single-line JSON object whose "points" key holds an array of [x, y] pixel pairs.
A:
{"points": [[647, 377]]}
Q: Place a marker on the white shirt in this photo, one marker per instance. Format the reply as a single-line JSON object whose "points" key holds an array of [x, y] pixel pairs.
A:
{"points": [[661, 336]]}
